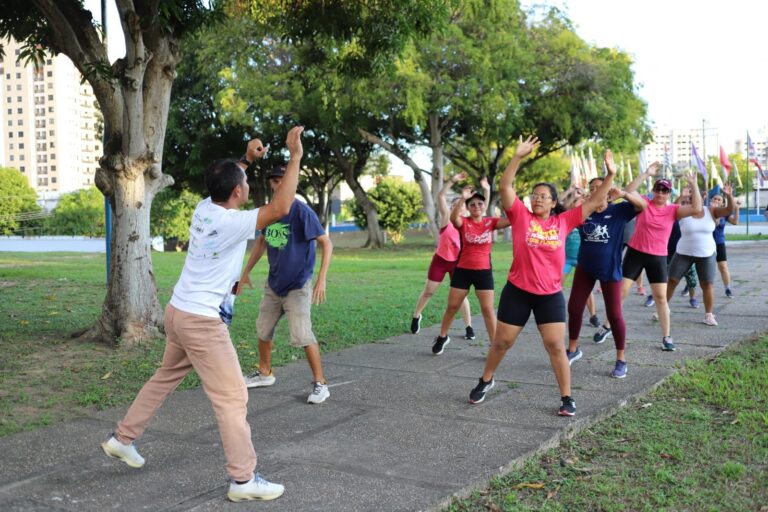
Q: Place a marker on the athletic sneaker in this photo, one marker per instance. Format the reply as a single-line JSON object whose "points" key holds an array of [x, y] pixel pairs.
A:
{"points": [[470, 335], [125, 452], [258, 380], [440, 343], [667, 344], [568, 408], [602, 333], [728, 292], [254, 489], [477, 395], [594, 321], [319, 393], [573, 356], [685, 291], [415, 325], [709, 319], [649, 301], [620, 371], [693, 303]]}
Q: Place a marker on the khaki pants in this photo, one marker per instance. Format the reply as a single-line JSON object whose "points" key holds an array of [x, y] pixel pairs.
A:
{"points": [[202, 343]]}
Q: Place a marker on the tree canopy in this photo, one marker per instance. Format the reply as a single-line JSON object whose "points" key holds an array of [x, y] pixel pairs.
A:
{"points": [[18, 202]]}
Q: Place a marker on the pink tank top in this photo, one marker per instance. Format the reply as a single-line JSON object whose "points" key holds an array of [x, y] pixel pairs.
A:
{"points": [[449, 243]]}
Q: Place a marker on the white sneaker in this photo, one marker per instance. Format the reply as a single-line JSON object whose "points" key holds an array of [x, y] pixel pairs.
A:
{"points": [[319, 393], [125, 452], [709, 319], [255, 489], [259, 380]]}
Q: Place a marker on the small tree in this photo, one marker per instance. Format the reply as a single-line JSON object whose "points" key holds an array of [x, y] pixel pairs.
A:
{"points": [[78, 213], [17, 201], [171, 214], [397, 203]]}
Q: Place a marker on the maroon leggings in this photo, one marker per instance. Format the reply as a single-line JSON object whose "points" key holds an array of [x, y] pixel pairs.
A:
{"points": [[580, 290]]}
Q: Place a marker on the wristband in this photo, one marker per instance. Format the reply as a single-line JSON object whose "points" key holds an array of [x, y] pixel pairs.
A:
{"points": [[245, 161]]}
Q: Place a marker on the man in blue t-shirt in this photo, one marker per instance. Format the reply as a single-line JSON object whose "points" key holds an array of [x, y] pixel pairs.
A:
{"points": [[290, 247]]}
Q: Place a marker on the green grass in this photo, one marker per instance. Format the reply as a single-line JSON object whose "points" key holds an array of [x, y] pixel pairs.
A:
{"points": [[734, 237], [698, 443], [49, 377]]}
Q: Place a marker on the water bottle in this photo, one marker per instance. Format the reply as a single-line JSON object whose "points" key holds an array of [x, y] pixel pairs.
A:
{"points": [[227, 306]]}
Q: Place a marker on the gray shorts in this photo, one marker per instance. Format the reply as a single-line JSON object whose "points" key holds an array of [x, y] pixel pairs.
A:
{"points": [[706, 267], [295, 306]]}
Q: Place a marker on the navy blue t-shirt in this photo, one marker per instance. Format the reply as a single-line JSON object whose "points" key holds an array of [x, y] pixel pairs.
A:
{"points": [[602, 236], [291, 248]]}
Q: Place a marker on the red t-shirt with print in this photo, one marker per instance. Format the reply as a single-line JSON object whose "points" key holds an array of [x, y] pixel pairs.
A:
{"points": [[539, 248], [476, 240]]}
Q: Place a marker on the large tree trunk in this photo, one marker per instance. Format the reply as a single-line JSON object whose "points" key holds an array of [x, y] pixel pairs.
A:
{"points": [[350, 172], [427, 197]]}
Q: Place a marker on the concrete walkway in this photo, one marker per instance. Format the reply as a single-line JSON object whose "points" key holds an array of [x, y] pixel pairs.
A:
{"points": [[397, 432]]}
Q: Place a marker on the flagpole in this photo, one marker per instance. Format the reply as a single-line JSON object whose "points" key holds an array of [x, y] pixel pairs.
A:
{"points": [[749, 178]]}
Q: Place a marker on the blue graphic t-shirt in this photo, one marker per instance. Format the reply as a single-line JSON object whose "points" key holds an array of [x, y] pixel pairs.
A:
{"points": [[602, 235], [291, 248]]}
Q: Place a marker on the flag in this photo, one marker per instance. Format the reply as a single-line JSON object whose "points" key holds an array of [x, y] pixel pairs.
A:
{"points": [[715, 175], [752, 158], [738, 178], [629, 174], [699, 163], [725, 163]]}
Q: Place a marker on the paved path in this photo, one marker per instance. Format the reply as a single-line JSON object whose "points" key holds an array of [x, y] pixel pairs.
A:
{"points": [[397, 433]]}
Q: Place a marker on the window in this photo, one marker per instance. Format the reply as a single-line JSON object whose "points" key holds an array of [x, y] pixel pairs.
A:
{"points": [[10, 123], [9, 99], [53, 156], [18, 75], [20, 122], [10, 111], [21, 145], [10, 134], [19, 110], [53, 168], [10, 146], [12, 158], [50, 73], [18, 98], [18, 87], [50, 96], [22, 168], [18, 50], [50, 85], [21, 134], [53, 180], [49, 62], [8, 87], [50, 109], [21, 157]]}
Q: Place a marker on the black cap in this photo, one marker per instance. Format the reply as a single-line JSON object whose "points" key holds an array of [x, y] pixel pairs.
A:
{"points": [[276, 172], [476, 194]]}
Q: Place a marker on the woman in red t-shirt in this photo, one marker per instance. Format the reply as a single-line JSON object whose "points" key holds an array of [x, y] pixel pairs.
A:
{"points": [[474, 265], [533, 283], [445, 257]]}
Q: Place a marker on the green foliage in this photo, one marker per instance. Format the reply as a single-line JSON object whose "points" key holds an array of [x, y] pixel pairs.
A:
{"points": [[17, 201], [397, 203], [171, 214], [78, 213]]}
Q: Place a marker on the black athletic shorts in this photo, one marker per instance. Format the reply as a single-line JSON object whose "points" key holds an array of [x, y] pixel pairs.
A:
{"points": [[515, 306], [463, 278], [721, 255], [635, 261]]}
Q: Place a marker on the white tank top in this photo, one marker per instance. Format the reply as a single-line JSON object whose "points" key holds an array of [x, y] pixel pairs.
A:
{"points": [[696, 236]]}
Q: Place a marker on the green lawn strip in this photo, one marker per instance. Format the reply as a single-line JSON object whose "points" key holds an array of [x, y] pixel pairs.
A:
{"points": [[734, 237], [698, 443], [47, 376]]}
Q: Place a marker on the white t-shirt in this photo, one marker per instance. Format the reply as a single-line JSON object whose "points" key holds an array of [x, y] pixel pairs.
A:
{"points": [[217, 243], [696, 236]]}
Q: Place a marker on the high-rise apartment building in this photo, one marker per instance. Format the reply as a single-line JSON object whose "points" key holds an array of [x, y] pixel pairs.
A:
{"points": [[677, 145], [48, 123]]}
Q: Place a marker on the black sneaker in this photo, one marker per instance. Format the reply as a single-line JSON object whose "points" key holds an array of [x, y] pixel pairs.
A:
{"points": [[477, 395], [602, 333], [415, 325], [594, 321], [470, 333], [440, 343], [568, 408]]}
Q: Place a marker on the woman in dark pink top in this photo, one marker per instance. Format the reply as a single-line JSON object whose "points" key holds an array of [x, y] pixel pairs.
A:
{"points": [[533, 283], [474, 265]]}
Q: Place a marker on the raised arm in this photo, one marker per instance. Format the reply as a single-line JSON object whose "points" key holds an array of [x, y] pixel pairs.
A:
{"points": [[442, 204], [725, 211], [466, 193], [594, 201], [650, 172], [733, 218], [507, 182], [286, 192], [633, 198], [696, 206]]}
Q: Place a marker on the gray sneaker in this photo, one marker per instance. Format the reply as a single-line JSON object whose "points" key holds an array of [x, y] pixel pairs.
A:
{"points": [[259, 380], [319, 393], [125, 452], [573, 356]]}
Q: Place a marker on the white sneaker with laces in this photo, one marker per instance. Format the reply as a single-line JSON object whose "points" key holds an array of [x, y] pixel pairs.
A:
{"points": [[709, 319], [257, 488], [125, 452], [260, 380], [319, 393]]}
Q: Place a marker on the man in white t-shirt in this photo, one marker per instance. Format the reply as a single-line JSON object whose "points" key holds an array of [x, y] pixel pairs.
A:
{"points": [[196, 319]]}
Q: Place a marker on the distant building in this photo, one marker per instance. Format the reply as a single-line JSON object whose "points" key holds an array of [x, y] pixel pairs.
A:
{"points": [[677, 145], [48, 122]]}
